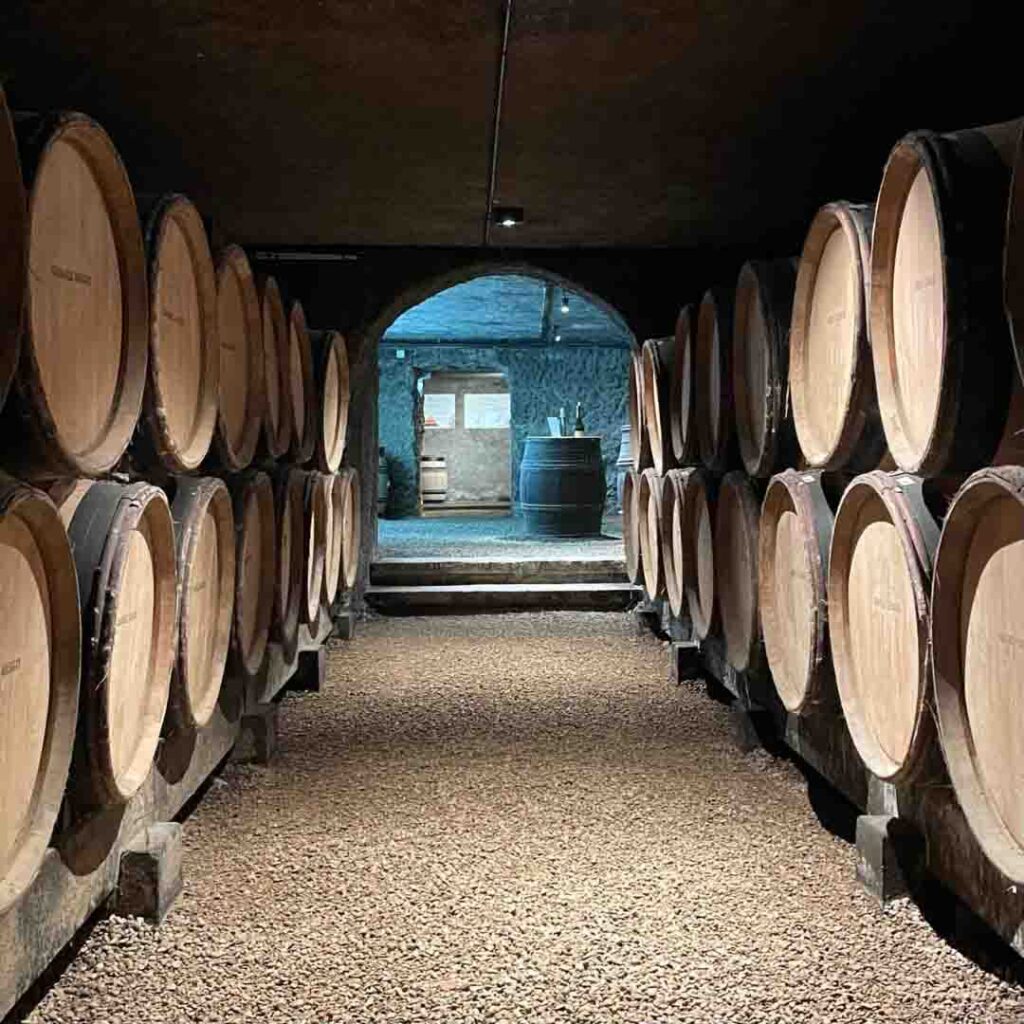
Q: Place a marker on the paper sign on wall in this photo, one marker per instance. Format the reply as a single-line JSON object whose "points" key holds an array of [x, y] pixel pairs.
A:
{"points": [[438, 411], [486, 412]]}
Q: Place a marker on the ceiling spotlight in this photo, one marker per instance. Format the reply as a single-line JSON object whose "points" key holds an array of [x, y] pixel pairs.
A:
{"points": [[565, 304], [507, 216]]}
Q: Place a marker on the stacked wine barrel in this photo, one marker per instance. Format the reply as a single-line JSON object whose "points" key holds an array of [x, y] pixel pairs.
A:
{"points": [[858, 417], [172, 495]]}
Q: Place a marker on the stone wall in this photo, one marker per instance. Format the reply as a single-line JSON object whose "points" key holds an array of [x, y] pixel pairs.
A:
{"points": [[540, 380]]}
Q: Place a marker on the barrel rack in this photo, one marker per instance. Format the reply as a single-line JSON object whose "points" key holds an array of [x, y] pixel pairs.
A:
{"points": [[908, 836], [129, 858]]}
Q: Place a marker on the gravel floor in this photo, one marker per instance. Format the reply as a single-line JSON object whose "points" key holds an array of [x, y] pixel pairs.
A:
{"points": [[517, 819], [499, 536]]}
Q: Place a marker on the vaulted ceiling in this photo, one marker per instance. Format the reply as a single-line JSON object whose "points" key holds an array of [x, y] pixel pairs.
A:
{"points": [[509, 308], [626, 122]]}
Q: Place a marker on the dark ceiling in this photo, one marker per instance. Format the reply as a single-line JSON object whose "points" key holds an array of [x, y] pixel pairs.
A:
{"points": [[628, 123]]}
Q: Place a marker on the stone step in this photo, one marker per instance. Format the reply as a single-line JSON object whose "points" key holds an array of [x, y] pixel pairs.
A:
{"points": [[399, 572], [480, 598]]}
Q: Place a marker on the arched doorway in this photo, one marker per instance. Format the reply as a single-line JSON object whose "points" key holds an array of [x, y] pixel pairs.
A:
{"points": [[472, 363]]}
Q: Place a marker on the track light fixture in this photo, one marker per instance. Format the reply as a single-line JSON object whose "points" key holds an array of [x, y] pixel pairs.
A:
{"points": [[507, 216]]}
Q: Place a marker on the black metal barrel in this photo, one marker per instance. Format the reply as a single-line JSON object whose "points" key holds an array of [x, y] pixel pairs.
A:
{"points": [[562, 486]]}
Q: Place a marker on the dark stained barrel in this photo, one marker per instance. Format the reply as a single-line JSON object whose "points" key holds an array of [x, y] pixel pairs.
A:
{"points": [[562, 486]]}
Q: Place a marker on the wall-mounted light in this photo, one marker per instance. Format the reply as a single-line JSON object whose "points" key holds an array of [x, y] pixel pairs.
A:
{"points": [[507, 216], [565, 304]]}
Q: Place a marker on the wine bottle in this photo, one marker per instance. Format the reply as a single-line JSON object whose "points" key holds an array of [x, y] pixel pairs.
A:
{"points": [[578, 429]]}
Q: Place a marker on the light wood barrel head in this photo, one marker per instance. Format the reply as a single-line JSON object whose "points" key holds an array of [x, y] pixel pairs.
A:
{"points": [[649, 523], [206, 570], [75, 294], [657, 358], [672, 547], [352, 543], [250, 561], [24, 681], [301, 387], [335, 498], [908, 307], [750, 366], [978, 656], [639, 445], [681, 396], [631, 525], [290, 496], [795, 531], [87, 301], [14, 230], [241, 360], [144, 643], [330, 357], [277, 415], [879, 569], [700, 581], [713, 389], [827, 335], [184, 364], [736, 532], [40, 640], [314, 546]]}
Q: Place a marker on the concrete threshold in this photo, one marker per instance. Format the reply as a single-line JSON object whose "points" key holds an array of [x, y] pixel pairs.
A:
{"points": [[393, 572], [481, 598]]}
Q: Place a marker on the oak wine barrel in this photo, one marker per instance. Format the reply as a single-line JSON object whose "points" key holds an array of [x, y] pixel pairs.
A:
{"points": [[674, 546], [14, 231], [712, 372], [562, 486], [334, 495], [977, 636], [204, 530], [736, 533], [939, 335], [352, 535], [649, 516], [681, 401], [122, 539], [252, 500], [641, 449], [880, 564], [658, 357], [39, 674], [314, 548], [793, 545], [240, 409], [290, 565], [433, 480], [699, 582], [331, 374], [760, 365], [631, 526], [302, 393], [831, 375], [78, 388], [183, 374], [277, 416], [624, 462]]}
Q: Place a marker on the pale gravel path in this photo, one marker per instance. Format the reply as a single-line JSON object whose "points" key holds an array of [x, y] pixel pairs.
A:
{"points": [[517, 819]]}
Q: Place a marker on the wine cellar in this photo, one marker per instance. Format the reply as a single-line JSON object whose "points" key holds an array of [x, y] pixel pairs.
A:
{"points": [[670, 668]]}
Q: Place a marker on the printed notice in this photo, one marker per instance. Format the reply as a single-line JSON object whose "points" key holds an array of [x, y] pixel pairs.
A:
{"points": [[438, 411], [486, 412]]}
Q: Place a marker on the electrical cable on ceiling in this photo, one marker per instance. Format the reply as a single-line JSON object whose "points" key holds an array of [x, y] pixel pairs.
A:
{"points": [[499, 94]]}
